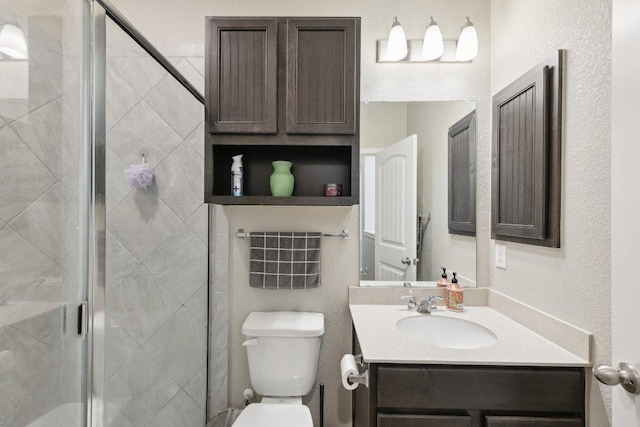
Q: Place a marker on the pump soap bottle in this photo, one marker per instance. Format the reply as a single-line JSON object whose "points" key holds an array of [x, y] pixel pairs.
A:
{"points": [[454, 295], [237, 176], [443, 281]]}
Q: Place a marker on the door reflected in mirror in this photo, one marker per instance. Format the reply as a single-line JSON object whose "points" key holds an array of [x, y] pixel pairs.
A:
{"points": [[417, 207]]}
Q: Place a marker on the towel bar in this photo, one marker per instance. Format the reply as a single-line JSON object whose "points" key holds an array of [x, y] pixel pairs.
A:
{"points": [[241, 234]]}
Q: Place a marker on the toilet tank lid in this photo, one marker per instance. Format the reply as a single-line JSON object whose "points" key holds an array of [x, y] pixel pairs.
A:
{"points": [[284, 324]]}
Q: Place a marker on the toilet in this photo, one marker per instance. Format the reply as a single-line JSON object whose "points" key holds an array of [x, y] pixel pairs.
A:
{"points": [[283, 349]]}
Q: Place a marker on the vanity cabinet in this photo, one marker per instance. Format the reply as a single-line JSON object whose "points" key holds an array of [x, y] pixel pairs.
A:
{"points": [[403, 395], [283, 89]]}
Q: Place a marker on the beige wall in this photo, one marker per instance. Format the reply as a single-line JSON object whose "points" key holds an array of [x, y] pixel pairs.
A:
{"points": [[431, 122], [382, 124], [573, 282], [339, 270], [167, 22]]}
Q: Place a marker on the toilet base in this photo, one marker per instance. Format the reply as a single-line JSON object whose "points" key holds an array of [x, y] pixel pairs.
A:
{"points": [[275, 412]]}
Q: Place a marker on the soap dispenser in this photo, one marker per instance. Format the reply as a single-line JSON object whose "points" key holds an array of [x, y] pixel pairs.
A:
{"points": [[443, 281], [454, 295]]}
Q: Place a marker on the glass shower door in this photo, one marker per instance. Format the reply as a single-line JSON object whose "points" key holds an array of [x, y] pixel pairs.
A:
{"points": [[156, 292], [42, 212]]}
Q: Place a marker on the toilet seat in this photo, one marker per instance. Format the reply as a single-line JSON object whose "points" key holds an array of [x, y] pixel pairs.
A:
{"points": [[274, 415]]}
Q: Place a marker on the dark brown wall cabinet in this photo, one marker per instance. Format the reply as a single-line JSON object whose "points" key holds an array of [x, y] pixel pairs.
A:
{"points": [[462, 176], [283, 89], [526, 157]]}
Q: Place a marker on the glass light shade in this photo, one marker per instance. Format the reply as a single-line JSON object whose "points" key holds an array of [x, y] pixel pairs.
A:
{"points": [[12, 42], [397, 44], [432, 45], [467, 47]]}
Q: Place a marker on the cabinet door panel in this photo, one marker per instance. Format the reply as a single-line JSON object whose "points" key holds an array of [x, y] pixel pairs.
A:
{"points": [[321, 76], [242, 75], [481, 388], [533, 422], [389, 420], [462, 176]]}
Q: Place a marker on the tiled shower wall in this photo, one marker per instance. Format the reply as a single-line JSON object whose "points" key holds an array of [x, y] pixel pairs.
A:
{"points": [[41, 353], [157, 241]]}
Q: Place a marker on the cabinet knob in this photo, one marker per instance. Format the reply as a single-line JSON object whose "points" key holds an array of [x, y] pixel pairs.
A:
{"points": [[406, 261], [624, 375]]}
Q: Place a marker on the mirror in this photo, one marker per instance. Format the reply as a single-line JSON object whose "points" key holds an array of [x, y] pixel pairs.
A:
{"points": [[413, 157]]}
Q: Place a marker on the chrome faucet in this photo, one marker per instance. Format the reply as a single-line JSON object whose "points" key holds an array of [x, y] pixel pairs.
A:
{"points": [[428, 305]]}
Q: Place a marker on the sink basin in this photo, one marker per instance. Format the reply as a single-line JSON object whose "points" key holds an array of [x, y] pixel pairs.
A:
{"points": [[446, 331]]}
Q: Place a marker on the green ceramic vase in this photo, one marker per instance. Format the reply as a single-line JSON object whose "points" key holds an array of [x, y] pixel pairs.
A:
{"points": [[281, 180]]}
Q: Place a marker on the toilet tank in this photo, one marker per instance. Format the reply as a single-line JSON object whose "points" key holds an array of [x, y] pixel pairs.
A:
{"points": [[283, 349]]}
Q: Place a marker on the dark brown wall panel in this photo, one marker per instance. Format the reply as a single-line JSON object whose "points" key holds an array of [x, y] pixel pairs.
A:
{"points": [[498, 421], [390, 420], [485, 388], [526, 156], [321, 76], [520, 144], [242, 76], [462, 176]]}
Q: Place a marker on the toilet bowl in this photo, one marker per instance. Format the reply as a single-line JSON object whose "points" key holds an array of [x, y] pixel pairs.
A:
{"points": [[283, 349]]}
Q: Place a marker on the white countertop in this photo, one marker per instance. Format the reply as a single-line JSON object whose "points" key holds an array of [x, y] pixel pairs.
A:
{"points": [[381, 342]]}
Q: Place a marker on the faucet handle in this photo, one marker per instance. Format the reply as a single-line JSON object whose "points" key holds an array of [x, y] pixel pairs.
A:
{"points": [[432, 298], [413, 305], [431, 302]]}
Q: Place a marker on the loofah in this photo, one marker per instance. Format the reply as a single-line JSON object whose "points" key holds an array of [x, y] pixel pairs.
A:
{"points": [[140, 176]]}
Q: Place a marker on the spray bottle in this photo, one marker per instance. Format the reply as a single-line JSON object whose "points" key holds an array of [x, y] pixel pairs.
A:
{"points": [[237, 176]]}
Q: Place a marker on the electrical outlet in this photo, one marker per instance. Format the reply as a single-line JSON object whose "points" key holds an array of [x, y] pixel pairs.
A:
{"points": [[501, 256]]}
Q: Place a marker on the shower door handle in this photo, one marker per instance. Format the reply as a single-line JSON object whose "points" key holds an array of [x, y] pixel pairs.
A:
{"points": [[83, 321]]}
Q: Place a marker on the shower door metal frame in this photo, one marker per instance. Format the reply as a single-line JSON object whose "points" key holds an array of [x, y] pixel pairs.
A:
{"points": [[97, 225], [94, 133]]}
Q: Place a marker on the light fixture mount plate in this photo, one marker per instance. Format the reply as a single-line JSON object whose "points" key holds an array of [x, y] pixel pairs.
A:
{"points": [[415, 53]]}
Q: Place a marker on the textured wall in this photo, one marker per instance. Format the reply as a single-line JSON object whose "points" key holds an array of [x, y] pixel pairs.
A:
{"points": [[172, 23], [431, 122], [382, 124], [156, 279], [572, 282], [41, 354], [339, 270], [436, 82]]}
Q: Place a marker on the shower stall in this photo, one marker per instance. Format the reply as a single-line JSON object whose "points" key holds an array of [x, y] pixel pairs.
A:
{"points": [[103, 287]]}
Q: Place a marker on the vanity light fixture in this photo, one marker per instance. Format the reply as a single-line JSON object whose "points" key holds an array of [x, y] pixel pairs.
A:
{"points": [[397, 44], [432, 48], [432, 45], [467, 47], [13, 42]]}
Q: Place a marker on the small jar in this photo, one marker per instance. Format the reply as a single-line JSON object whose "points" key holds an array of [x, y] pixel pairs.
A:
{"points": [[332, 190]]}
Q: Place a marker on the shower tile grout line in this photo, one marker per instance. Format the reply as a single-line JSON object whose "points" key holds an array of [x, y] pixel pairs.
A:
{"points": [[35, 381]]}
